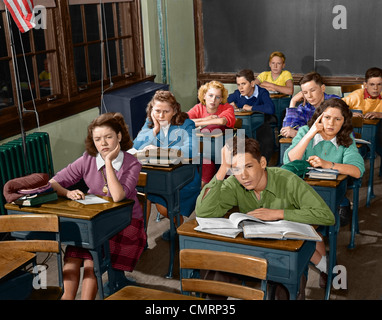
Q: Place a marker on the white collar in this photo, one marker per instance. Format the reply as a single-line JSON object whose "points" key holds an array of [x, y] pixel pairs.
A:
{"points": [[254, 94], [165, 129], [318, 138], [116, 163]]}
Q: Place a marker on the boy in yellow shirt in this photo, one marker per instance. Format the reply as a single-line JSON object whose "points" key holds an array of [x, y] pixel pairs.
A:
{"points": [[369, 99], [276, 80]]}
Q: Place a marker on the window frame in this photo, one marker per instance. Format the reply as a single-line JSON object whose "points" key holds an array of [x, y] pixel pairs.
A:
{"points": [[71, 99]]}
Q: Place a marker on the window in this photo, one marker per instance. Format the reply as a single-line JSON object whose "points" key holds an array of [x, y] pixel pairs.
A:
{"points": [[36, 62], [65, 60], [102, 41]]}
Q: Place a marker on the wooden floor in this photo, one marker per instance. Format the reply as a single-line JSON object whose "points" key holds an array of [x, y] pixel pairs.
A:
{"points": [[363, 263]]}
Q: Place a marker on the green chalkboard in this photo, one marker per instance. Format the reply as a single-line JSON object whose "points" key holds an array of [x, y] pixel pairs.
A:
{"points": [[335, 38]]}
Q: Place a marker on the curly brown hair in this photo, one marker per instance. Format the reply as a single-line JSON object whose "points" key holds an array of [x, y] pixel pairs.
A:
{"points": [[167, 97], [343, 136], [116, 122]]}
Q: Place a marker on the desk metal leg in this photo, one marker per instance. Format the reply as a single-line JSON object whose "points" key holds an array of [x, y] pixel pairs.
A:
{"points": [[332, 258], [370, 189], [354, 221], [97, 258], [172, 214]]}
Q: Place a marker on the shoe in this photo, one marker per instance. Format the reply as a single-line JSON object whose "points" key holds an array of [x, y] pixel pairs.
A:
{"points": [[166, 235], [323, 280], [345, 214]]}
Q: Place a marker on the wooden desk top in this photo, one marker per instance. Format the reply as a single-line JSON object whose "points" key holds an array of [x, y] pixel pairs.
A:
{"points": [[326, 183], [285, 140], [187, 229], [247, 113], [170, 167], [371, 121], [243, 113], [139, 293], [64, 207], [11, 259], [278, 95]]}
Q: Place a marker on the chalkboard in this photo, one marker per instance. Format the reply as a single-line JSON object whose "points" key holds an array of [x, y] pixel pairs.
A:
{"points": [[241, 34]]}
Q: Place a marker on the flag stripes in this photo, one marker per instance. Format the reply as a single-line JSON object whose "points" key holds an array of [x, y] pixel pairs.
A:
{"points": [[22, 13]]}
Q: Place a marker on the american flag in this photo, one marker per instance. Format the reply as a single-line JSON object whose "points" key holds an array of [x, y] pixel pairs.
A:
{"points": [[22, 13]]}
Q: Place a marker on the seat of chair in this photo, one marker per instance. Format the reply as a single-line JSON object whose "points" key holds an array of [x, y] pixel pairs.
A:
{"points": [[140, 293]]}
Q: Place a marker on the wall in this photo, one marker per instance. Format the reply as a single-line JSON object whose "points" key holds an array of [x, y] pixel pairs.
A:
{"points": [[178, 40], [66, 137]]}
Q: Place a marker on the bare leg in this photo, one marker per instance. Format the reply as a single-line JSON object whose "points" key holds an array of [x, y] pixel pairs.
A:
{"points": [[318, 253], [89, 282], [71, 277], [148, 212], [163, 211]]}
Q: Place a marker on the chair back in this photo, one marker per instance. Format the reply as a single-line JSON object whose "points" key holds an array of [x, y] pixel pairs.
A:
{"points": [[41, 227], [244, 265], [346, 89], [238, 123]]}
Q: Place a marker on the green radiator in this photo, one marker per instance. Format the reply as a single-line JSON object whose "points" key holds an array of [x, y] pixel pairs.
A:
{"points": [[39, 158]]}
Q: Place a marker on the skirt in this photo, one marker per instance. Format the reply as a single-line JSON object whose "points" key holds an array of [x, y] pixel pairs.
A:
{"points": [[125, 247]]}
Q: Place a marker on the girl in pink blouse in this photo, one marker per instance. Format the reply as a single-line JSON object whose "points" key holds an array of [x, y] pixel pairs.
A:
{"points": [[108, 170], [213, 112]]}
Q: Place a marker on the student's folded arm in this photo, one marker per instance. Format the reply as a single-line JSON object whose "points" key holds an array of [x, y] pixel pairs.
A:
{"points": [[309, 208], [144, 138], [356, 163], [214, 200], [267, 106], [287, 89]]}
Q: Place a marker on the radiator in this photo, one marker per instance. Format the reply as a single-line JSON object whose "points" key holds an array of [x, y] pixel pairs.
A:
{"points": [[39, 158]]}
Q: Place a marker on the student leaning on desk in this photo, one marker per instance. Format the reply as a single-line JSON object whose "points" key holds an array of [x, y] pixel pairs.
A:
{"points": [[167, 126], [213, 112], [313, 94], [277, 79], [268, 193], [108, 170], [368, 100], [327, 142], [251, 97]]}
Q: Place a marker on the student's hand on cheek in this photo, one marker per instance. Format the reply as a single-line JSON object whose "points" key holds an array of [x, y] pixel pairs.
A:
{"points": [[113, 154], [156, 123], [317, 125]]}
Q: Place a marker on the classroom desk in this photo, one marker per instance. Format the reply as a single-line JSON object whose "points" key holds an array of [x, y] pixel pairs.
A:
{"points": [[13, 259], [369, 133], [281, 102], [252, 120], [87, 226], [284, 145], [167, 182], [332, 191], [211, 143], [287, 259], [14, 286]]}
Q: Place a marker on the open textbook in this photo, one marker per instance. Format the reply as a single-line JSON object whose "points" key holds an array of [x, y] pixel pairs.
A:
{"points": [[256, 228]]}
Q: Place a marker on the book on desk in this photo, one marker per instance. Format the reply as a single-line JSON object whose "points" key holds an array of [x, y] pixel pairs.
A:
{"points": [[320, 173], [36, 199], [256, 228], [158, 156]]}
